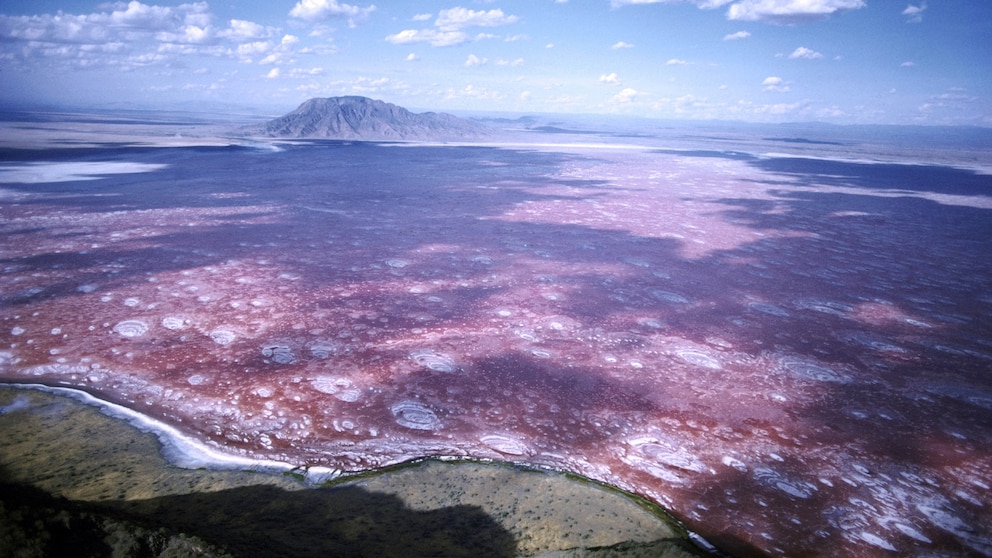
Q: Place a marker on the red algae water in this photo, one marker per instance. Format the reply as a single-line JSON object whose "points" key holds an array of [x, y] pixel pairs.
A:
{"points": [[791, 353]]}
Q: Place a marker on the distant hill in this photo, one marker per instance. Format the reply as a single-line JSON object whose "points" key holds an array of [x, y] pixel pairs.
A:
{"points": [[361, 118]]}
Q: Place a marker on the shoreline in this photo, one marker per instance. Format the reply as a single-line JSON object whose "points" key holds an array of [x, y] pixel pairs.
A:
{"points": [[426, 484]]}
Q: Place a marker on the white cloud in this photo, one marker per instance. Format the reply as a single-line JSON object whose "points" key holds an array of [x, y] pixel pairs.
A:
{"points": [[242, 30], [474, 60], [458, 18], [303, 72], [511, 63], [807, 53], [625, 96], [273, 73], [737, 35], [473, 92], [319, 10], [705, 4], [776, 84], [772, 11], [914, 13], [907, 64], [422, 17], [676, 62], [411, 57], [955, 94], [610, 78], [621, 45], [450, 25], [134, 35], [789, 11], [430, 36]]}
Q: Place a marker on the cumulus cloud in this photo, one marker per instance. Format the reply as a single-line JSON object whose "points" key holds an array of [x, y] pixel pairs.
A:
{"points": [[907, 64], [775, 83], [129, 22], [430, 36], [676, 62], [621, 45], [411, 57], [422, 17], [320, 10], [625, 96], [913, 13], [474, 60], [450, 27], [789, 11], [771, 11], [273, 73], [247, 30], [610, 78], [473, 92], [736, 36], [807, 53], [706, 4], [459, 18], [132, 35]]}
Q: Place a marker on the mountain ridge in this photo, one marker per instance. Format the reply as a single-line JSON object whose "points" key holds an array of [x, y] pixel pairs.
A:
{"points": [[362, 118]]}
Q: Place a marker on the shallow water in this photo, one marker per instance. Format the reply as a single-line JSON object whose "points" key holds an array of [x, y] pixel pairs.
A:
{"points": [[790, 354]]}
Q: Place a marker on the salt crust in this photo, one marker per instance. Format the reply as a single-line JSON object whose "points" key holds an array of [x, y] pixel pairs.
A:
{"points": [[179, 449]]}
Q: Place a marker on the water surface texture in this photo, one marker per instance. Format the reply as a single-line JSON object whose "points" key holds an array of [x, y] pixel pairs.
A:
{"points": [[792, 354]]}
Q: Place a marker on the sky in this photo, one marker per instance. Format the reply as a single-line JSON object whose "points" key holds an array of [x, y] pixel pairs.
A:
{"points": [[840, 61]]}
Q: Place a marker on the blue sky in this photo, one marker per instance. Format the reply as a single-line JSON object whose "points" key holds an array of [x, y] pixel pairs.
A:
{"points": [[843, 61]]}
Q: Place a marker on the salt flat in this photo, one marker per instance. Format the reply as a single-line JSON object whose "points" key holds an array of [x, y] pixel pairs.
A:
{"points": [[790, 352]]}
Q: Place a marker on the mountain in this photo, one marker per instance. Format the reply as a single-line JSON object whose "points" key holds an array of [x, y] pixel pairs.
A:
{"points": [[361, 118]]}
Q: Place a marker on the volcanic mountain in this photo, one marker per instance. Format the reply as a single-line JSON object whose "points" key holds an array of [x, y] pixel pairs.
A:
{"points": [[361, 118]]}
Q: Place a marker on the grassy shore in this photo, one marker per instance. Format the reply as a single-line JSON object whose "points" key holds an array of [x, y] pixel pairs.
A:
{"points": [[74, 478]]}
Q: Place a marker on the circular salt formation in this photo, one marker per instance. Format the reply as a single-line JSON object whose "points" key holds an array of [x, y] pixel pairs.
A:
{"points": [[672, 457], [438, 362], [131, 328], [223, 336], [280, 354], [505, 444], [699, 358], [397, 263], [412, 414], [173, 323], [807, 370], [340, 388], [323, 349]]}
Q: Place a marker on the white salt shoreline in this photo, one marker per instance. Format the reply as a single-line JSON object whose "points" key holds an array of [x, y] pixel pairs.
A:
{"points": [[179, 449]]}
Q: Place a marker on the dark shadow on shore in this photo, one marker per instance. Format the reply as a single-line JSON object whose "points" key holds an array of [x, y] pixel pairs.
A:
{"points": [[262, 521]]}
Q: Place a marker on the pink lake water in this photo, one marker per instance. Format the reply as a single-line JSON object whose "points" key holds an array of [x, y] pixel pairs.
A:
{"points": [[790, 353]]}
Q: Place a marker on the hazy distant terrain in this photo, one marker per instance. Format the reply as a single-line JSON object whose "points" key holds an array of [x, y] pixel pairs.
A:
{"points": [[778, 332]]}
